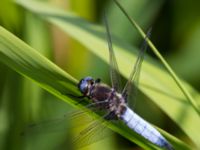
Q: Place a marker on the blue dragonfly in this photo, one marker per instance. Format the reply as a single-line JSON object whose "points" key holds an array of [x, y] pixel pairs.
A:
{"points": [[112, 101], [115, 101]]}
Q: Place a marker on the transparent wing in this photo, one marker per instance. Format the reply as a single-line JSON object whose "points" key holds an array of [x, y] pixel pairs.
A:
{"points": [[52, 125], [61, 123], [114, 70], [95, 132], [134, 76]]}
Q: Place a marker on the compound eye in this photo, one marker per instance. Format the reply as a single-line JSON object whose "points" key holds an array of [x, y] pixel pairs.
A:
{"points": [[84, 83], [84, 86]]}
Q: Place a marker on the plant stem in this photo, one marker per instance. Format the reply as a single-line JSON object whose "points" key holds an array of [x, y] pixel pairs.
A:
{"points": [[156, 52]]}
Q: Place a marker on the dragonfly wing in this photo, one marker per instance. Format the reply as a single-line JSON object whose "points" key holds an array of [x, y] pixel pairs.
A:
{"points": [[92, 133], [56, 125], [95, 132], [114, 70], [135, 74]]}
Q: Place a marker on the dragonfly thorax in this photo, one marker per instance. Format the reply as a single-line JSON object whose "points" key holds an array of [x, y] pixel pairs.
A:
{"points": [[103, 96]]}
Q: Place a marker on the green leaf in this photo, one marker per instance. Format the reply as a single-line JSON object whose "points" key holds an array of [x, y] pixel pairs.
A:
{"points": [[26, 61], [164, 62], [155, 82]]}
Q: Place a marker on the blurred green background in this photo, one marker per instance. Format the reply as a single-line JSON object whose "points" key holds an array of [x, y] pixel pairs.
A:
{"points": [[176, 33]]}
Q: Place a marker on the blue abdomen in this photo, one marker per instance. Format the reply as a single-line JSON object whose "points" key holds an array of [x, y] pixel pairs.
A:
{"points": [[142, 127]]}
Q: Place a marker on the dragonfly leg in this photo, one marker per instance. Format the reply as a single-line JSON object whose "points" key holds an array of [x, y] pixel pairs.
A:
{"points": [[110, 116], [98, 80], [80, 98]]}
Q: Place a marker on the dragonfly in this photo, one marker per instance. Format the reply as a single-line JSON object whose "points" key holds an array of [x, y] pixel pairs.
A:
{"points": [[115, 101]]}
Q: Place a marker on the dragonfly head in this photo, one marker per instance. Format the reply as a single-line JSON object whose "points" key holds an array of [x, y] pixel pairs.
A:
{"points": [[85, 84]]}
